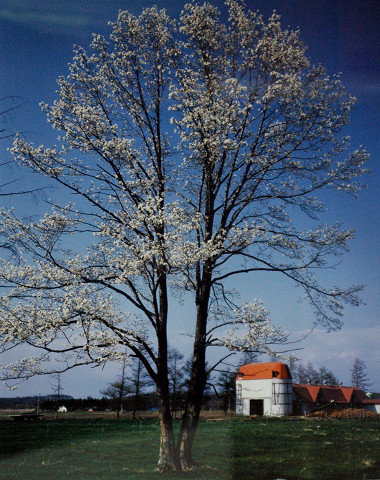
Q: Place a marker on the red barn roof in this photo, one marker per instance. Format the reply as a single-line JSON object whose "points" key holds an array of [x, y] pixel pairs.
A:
{"points": [[336, 394], [359, 395], [333, 394], [371, 401], [347, 392], [307, 392], [260, 371]]}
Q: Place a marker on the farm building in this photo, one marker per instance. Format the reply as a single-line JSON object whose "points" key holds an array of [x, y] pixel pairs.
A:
{"points": [[372, 404], [264, 389], [267, 389], [308, 398]]}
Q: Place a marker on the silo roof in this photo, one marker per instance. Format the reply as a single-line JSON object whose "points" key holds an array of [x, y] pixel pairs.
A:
{"points": [[261, 371]]}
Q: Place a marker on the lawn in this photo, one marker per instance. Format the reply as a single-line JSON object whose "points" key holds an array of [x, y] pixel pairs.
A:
{"points": [[261, 449]]}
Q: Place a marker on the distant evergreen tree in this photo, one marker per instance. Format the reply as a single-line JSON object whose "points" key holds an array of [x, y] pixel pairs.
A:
{"points": [[250, 357], [359, 377], [292, 364], [226, 389]]}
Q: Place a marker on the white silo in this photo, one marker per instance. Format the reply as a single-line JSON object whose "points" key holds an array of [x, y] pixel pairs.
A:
{"points": [[264, 389]]}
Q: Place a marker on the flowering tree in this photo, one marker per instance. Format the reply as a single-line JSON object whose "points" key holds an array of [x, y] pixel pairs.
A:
{"points": [[187, 145]]}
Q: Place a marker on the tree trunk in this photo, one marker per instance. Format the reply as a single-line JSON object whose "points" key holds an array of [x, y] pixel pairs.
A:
{"points": [[194, 399], [198, 377], [191, 414], [186, 437], [167, 456]]}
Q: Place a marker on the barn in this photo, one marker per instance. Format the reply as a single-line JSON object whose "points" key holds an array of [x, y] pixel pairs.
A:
{"points": [[267, 389], [308, 398], [264, 389], [372, 404]]}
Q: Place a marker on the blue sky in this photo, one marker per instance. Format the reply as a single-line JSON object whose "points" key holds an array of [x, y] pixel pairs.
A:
{"points": [[37, 38]]}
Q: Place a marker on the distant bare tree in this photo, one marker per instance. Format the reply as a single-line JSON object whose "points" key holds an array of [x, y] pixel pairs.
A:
{"points": [[57, 389], [322, 376], [118, 390], [132, 382], [138, 382], [176, 375]]}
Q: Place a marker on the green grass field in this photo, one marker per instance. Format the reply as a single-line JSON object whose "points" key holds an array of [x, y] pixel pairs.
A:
{"points": [[104, 449]]}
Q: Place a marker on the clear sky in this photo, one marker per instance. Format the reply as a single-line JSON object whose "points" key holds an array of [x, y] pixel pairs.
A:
{"points": [[37, 38]]}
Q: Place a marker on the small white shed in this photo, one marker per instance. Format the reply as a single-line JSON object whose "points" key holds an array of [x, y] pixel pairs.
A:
{"points": [[264, 389], [373, 405]]}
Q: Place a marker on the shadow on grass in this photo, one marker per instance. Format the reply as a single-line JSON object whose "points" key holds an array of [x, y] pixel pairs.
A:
{"points": [[20, 437], [297, 449]]}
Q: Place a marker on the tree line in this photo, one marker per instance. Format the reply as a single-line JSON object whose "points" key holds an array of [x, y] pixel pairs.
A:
{"points": [[127, 392], [133, 390], [130, 390]]}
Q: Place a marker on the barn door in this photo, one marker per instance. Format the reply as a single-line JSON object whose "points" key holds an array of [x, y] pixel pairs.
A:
{"points": [[256, 407]]}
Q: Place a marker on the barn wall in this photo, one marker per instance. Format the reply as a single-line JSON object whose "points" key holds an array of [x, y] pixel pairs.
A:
{"points": [[373, 408], [276, 395]]}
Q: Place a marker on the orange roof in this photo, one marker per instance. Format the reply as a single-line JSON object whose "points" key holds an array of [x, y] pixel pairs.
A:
{"points": [[260, 371], [335, 394], [307, 392], [371, 401], [359, 395], [347, 392]]}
